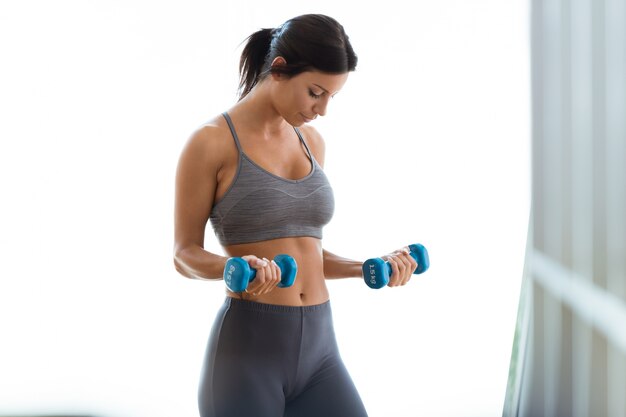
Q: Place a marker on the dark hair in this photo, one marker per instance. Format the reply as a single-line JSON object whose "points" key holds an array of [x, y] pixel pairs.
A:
{"points": [[307, 42]]}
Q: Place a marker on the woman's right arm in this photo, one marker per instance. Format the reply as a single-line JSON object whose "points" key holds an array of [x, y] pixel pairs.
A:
{"points": [[196, 182], [197, 179]]}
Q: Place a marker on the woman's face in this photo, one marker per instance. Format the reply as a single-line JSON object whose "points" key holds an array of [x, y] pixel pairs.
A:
{"points": [[302, 98]]}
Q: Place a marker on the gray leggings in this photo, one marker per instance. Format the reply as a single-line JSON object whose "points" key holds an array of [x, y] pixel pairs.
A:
{"points": [[267, 360]]}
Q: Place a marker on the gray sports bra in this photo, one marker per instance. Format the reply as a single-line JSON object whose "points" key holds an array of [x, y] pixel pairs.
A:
{"points": [[259, 205]]}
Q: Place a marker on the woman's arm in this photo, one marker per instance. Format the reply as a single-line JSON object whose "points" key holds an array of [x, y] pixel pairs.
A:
{"points": [[335, 266], [338, 267], [197, 179], [402, 266], [196, 183]]}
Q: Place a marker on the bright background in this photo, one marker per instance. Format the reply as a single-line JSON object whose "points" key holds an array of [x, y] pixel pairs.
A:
{"points": [[428, 142]]}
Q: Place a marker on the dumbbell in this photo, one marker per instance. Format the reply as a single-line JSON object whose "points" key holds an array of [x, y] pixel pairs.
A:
{"points": [[238, 274], [376, 272]]}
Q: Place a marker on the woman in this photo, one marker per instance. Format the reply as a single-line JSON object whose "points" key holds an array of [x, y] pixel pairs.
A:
{"points": [[256, 173]]}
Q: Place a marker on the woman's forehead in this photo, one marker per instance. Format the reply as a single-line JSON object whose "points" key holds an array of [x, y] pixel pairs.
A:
{"points": [[331, 83]]}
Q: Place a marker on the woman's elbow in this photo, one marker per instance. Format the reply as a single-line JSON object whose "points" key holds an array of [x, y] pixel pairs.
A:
{"points": [[179, 264]]}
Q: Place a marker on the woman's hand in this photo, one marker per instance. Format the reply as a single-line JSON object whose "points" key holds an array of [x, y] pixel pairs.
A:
{"points": [[402, 266], [267, 275]]}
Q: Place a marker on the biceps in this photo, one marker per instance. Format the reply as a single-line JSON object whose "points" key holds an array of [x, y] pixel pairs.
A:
{"points": [[195, 189]]}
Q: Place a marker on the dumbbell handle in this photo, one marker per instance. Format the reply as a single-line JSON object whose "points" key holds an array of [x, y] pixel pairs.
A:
{"points": [[376, 272], [238, 273]]}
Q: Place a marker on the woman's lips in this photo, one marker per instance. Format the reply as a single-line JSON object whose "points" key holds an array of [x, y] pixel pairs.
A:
{"points": [[308, 119]]}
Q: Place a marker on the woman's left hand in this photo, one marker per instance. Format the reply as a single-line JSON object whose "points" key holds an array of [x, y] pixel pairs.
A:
{"points": [[402, 266]]}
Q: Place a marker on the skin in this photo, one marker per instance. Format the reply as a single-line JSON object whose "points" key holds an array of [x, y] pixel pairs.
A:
{"points": [[264, 120]]}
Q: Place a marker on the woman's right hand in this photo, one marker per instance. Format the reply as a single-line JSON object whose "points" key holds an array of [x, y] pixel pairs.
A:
{"points": [[267, 275], [402, 266]]}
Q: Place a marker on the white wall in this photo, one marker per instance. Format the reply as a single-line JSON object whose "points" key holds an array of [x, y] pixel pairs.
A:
{"points": [[428, 142]]}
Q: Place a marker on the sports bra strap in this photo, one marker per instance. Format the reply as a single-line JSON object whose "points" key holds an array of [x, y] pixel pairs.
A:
{"points": [[304, 143], [232, 130]]}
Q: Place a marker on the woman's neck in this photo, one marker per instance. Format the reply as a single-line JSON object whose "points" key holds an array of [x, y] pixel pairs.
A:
{"points": [[257, 111]]}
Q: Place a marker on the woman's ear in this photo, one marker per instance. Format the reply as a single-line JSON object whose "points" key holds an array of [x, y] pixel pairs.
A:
{"points": [[279, 61]]}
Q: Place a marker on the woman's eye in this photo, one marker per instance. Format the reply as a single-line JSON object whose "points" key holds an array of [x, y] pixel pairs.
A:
{"points": [[312, 94]]}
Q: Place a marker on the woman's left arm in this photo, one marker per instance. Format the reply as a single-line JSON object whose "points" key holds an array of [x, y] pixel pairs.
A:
{"points": [[338, 267], [402, 266], [335, 266]]}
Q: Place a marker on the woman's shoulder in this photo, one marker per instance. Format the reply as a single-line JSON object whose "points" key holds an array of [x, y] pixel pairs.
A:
{"points": [[315, 141], [211, 140], [212, 134], [311, 135]]}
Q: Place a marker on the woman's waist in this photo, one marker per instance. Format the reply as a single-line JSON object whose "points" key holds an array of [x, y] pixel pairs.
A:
{"points": [[309, 286], [307, 289], [307, 251], [256, 306]]}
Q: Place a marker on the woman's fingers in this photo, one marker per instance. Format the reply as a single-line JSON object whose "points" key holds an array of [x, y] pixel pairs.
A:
{"points": [[402, 267], [267, 277]]}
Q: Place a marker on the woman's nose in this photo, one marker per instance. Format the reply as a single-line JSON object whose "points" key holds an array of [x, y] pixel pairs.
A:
{"points": [[320, 107]]}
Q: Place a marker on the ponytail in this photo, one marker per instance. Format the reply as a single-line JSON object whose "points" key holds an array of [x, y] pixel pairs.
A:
{"points": [[306, 43], [253, 59]]}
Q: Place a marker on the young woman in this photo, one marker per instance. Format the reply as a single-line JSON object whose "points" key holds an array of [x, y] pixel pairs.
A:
{"points": [[255, 172]]}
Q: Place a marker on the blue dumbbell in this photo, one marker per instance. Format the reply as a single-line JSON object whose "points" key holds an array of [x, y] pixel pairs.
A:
{"points": [[237, 272], [376, 272]]}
